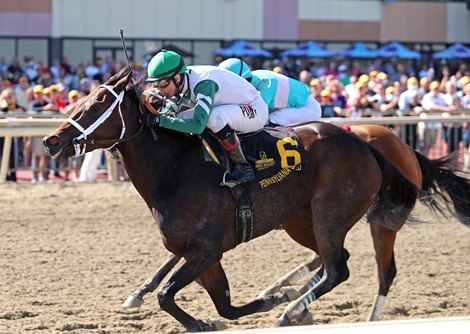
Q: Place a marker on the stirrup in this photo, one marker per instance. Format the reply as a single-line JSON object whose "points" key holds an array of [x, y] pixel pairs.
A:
{"points": [[229, 181]]}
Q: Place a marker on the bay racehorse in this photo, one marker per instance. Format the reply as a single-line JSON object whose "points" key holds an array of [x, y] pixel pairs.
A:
{"points": [[345, 178], [443, 189]]}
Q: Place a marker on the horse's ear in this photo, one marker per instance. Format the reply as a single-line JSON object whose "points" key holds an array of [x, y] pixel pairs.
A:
{"points": [[122, 83]]}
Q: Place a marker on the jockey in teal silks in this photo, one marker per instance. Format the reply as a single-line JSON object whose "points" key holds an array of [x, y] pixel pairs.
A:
{"points": [[289, 100], [222, 101]]}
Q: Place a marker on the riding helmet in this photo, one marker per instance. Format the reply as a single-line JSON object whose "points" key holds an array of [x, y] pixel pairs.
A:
{"points": [[237, 66], [165, 64]]}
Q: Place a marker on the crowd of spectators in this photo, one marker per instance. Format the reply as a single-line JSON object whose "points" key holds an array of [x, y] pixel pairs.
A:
{"points": [[344, 88]]}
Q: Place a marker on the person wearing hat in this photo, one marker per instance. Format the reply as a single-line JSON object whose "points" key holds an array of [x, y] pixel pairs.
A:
{"points": [[222, 101], [410, 98], [433, 104], [288, 100]]}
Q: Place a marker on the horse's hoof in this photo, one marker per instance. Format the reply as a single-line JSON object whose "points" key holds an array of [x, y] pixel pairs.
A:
{"points": [[217, 325], [291, 293], [283, 321], [305, 318], [133, 301]]}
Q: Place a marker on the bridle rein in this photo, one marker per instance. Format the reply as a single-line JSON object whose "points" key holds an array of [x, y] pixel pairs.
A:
{"points": [[82, 140]]}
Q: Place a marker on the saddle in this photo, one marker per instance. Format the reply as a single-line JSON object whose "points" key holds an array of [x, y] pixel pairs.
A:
{"points": [[274, 153]]}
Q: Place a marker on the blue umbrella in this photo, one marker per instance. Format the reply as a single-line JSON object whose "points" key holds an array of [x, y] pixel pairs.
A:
{"points": [[358, 50], [308, 49], [456, 50], [397, 50], [242, 49]]}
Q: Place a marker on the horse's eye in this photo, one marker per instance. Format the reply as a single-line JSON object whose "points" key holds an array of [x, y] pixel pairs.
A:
{"points": [[95, 109]]}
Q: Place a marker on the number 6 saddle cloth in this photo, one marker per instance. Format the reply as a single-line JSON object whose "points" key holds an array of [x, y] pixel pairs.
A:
{"points": [[274, 153]]}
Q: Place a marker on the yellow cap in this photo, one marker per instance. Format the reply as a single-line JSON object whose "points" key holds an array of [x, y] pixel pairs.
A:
{"points": [[73, 93], [325, 93], [382, 76], [38, 89], [434, 85], [373, 74], [389, 90], [464, 80], [363, 78], [277, 69], [46, 90], [423, 81], [314, 82], [359, 84], [412, 81]]}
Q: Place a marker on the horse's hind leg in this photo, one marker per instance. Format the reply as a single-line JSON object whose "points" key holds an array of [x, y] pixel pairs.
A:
{"points": [[299, 228], [292, 276], [330, 226], [384, 240], [136, 299]]}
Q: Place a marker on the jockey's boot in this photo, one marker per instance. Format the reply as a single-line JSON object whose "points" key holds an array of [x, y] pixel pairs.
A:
{"points": [[241, 169]]}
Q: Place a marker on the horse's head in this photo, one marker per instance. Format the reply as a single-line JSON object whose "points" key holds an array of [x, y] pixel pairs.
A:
{"points": [[98, 121]]}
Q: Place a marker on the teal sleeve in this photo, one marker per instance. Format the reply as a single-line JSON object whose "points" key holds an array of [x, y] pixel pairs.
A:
{"points": [[205, 92]]}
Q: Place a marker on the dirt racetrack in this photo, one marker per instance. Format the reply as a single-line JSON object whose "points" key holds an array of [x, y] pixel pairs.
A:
{"points": [[70, 254]]}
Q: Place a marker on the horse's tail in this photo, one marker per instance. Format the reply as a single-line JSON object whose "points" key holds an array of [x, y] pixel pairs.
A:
{"points": [[396, 197], [441, 181]]}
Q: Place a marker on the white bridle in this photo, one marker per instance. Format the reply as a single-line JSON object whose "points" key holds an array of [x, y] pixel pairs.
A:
{"points": [[79, 149]]}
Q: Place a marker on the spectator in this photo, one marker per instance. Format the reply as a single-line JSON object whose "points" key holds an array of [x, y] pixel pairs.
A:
{"points": [[34, 148], [337, 97], [22, 92], [453, 132], [316, 89], [423, 86], [344, 75], [433, 104], [305, 77], [8, 104]]}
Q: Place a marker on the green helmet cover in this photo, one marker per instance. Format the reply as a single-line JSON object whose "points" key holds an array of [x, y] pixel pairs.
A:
{"points": [[237, 66], [165, 64]]}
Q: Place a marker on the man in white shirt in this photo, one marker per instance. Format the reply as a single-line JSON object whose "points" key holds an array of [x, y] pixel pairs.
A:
{"points": [[433, 104]]}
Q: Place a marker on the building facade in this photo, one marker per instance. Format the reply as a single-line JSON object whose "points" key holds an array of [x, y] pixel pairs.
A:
{"points": [[83, 30]]}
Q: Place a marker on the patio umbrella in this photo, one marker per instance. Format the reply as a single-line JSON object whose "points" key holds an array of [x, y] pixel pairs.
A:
{"points": [[308, 49], [456, 50], [242, 49], [358, 50], [397, 50]]}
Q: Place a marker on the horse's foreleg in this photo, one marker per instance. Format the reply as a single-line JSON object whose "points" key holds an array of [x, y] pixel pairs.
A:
{"points": [[384, 240], [215, 282], [136, 299], [195, 264], [292, 276]]}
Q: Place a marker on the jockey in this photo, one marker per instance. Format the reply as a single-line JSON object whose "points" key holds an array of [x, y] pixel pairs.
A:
{"points": [[222, 101], [289, 100]]}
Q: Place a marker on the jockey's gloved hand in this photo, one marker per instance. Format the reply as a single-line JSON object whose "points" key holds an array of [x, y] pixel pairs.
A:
{"points": [[150, 120]]}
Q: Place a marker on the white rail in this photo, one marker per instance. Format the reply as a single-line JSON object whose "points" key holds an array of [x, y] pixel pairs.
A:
{"points": [[21, 127]]}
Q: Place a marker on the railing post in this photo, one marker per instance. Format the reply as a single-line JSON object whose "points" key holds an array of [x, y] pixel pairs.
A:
{"points": [[5, 158]]}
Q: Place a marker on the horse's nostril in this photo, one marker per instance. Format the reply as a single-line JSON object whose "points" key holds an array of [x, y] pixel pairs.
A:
{"points": [[52, 140]]}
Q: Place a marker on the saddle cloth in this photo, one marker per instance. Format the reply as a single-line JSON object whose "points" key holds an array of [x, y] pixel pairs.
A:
{"points": [[274, 153]]}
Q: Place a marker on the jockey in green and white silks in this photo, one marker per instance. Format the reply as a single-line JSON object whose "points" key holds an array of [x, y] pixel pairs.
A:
{"points": [[223, 102], [289, 100]]}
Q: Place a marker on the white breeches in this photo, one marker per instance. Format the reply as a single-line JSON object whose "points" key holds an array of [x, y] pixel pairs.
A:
{"points": [[310, 112]]}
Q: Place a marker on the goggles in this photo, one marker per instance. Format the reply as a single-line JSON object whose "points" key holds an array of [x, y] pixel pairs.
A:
{"points": [[162, 83]]}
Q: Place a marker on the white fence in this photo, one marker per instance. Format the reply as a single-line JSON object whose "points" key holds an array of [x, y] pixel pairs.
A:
{"points": [[27, 125]]}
